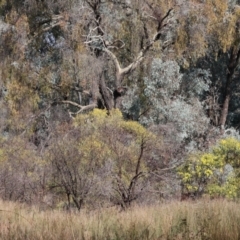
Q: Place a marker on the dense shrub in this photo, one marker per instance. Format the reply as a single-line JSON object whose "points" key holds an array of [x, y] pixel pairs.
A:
{"points": [[215, 173]]}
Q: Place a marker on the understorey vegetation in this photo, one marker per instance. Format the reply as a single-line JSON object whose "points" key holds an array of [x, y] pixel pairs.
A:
{"points": [[108, 103]]}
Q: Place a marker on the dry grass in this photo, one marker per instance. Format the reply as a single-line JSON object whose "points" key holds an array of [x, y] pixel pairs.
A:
{"points": [[176, 220]]}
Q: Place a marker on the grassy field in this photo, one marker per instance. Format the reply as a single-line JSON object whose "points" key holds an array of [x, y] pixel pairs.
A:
{"points": [[216, 219]]}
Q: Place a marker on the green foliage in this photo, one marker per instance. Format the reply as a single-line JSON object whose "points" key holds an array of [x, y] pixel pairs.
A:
{"points": [[202, 26], [229, 189], [53, 65], [169, 105], [229, 152], [197, 171], [102, 145], [113, 137], [215, 173]]}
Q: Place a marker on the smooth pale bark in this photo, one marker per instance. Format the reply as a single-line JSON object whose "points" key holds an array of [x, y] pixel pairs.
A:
{"points": [[121, 72], [99, 89], [224, 112]]}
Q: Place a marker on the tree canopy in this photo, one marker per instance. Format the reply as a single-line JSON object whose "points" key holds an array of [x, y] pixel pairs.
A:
{"points": [[133, 89]]}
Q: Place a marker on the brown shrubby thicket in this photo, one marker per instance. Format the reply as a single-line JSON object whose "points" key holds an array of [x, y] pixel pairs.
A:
{"points": [[22, 171], [103, 160]]}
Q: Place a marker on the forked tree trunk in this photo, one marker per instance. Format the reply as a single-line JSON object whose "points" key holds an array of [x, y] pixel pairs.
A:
{"points": [[113, 99]]}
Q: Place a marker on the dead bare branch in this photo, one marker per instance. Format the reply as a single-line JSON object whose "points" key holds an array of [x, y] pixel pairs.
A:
{"points": [[81, 108]]}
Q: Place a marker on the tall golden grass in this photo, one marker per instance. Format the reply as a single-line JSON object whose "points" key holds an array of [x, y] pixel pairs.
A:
{"points": [[217, 219]]}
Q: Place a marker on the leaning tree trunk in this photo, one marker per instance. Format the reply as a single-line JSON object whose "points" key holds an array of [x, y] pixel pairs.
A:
{"points": [[225, 107], [232, 65], [106, 93]]}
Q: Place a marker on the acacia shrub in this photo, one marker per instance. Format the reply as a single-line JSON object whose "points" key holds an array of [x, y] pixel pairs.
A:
{"points": [[215, 173], [101, 159]]}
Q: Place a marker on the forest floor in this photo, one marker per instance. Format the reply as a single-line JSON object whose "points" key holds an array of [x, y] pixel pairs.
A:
{"points": [[203, 219]]}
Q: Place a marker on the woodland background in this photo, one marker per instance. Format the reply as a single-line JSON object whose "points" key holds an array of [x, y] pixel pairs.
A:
{"points": [[111, 102]]}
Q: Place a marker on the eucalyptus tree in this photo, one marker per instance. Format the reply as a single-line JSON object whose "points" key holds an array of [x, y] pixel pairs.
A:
{"points": [[87, 54], [213, 35], [102, 40]]}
